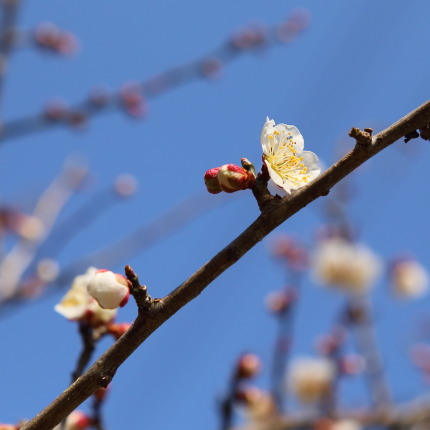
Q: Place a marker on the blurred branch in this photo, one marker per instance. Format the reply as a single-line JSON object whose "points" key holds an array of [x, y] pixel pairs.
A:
{"points": [[160, 310], [132, 99], [7, 29]]}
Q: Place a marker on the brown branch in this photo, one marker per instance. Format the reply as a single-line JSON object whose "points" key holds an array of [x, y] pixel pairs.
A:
{"points": [[104, 369]]}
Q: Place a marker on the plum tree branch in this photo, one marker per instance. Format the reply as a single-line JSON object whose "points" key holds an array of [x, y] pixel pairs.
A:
{"points": [[273, 214]]}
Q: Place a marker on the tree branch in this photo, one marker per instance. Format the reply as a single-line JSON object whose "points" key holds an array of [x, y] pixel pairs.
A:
{"points": [[103, 370]]}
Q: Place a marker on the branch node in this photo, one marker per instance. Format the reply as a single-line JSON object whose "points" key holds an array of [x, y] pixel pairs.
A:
{"points": [[425, 132], [264, 199], [411, 135], [363, 138], [139, 292]]}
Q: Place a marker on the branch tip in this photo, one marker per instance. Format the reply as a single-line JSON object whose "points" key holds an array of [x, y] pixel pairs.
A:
{"points": [[363, 138], [139, 292]]}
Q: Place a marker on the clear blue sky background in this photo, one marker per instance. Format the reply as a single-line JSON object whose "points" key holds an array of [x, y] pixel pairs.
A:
{"points": [[360, 63]]}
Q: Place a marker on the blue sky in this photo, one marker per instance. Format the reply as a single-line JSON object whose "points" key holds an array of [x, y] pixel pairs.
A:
{"points": [[360, 63]]}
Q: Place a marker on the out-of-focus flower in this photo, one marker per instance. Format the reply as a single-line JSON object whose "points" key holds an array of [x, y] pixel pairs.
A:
{"points": [[118, 329], [346, 425], [111, 290], [249, 38], [248, 366], [351, 267], [102, 393], [310, 379], [259, 405], [47, 270], [288, 165], [78, 305], [77, 420], [8, 427], [125, 185], [409, 279], [229, 178]]}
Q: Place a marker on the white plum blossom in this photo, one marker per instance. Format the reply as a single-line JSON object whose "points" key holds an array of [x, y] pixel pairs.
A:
{"points": [[351, 267], [78, 305], [310, 379], [288, 165], [111, 290], [409, 279]]}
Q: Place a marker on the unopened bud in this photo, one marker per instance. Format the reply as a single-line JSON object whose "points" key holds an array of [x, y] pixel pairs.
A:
{"points": [[233, 178], [101, 393], [111, 290], [117, 330], [77, 420], [211, 180], [247, 366]]}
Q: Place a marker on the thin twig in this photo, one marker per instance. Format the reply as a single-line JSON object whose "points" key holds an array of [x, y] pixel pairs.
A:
{"points": [[103, 370], [250, 40], [7, 30]]}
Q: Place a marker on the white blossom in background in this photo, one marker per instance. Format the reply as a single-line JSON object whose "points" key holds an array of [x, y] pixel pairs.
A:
{"points": [[346, 425], [349, 266], [310, 379], [110, 289], [289, 166], [409, 279], [78, 305]]}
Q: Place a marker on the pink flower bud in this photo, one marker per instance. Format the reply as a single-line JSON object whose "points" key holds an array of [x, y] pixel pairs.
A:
{"points": [[117, 330], [8, 427], [248, 366], [77, 420], [109, 289], [211, 180], [233, 178]]}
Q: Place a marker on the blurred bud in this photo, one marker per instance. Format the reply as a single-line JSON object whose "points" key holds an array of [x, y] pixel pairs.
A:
{"points": [[56, 110], [291, 251], [352, 364], [77, 420], [211, 180], [249, 38], [355, 314], [279, 302], [125, 185], [293, 26], [350, 267], [211, 68], [49, 37], [232, 178], [99, 97], [77, 119], [247, 366], [329, 344], [132, 100], [346, 425], [310, 379], [111, 290], [118, 329], [101, 394], [258, 404], [48, 270], [409, 279]]}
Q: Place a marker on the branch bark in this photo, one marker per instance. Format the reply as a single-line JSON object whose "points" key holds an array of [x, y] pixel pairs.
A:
{"points": [[104, 369]]}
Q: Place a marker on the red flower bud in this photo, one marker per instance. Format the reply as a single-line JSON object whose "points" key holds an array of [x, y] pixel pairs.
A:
{"points": [[211, 180], [233, 178]]}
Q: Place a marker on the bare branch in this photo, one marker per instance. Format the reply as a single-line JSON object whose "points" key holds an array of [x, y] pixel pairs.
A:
{"points": [[104, 369]]}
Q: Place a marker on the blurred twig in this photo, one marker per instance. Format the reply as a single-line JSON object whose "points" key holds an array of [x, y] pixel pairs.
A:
{"points": [[248, 40], [9, 9]]}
